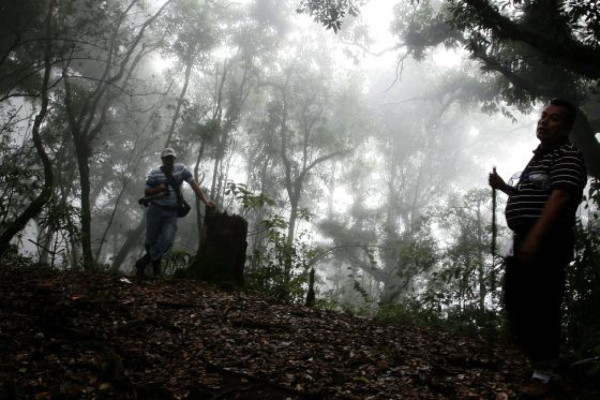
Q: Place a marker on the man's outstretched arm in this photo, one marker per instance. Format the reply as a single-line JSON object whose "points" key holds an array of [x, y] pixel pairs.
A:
{"points": [[200, 193]]}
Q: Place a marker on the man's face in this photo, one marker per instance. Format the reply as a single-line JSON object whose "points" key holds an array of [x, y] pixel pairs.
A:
{"points": [[168, 161], [552, 125]]}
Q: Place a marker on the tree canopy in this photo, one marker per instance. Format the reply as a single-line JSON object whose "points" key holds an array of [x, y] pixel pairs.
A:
{"points": [[537, 49]]}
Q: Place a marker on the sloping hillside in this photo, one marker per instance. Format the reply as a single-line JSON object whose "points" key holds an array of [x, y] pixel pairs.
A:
{"points": [[77, 335]]}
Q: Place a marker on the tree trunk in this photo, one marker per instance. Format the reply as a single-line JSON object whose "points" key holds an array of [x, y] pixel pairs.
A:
{"points": [[188, 70], [481, 276], [222, 255], [86, 209], [133, 237], [288, 262]]}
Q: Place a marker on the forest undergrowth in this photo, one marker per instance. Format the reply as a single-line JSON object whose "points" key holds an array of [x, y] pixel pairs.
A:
{"points": [[83, 335]]}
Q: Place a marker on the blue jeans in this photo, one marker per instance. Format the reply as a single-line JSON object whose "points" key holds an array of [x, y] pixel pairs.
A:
{"points": [[161, 227]]}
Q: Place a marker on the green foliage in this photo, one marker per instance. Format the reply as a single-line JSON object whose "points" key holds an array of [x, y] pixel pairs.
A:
{"points": [[584, 14], [18, 183], [328, 304], [60, 217], [471, 320], [422, 26], [409, 312], [281, 268], [363, 293], [20, 175], [416, 253], [459, 290], [454, 312], [13, 258], [467, 273], [582, 297], [248, 199], [22, 25], [421, 311], [330, 12], [335, 299], [175, 260], [527, 47]]}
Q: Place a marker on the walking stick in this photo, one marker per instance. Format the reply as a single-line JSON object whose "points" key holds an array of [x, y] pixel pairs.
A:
{"points": [[494, 230], [494, 233]]}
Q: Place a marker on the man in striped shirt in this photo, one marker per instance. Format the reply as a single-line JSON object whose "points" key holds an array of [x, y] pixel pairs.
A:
{"points": [[541, 213], [161, 218]]}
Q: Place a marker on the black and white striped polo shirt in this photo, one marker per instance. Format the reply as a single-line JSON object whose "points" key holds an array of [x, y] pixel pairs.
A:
{"points": [[559, 167]]}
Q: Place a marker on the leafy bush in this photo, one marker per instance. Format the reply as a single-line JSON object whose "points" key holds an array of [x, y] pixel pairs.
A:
{"points": [[175, 260], [409, 312], [12, 258], [582, 294], [280, 270]]}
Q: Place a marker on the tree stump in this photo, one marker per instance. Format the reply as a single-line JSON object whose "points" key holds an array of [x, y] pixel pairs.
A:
{"points": [[221, 256]]}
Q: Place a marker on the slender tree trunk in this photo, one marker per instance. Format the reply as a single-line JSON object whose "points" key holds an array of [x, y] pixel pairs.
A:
{"points": [[131, 166], [186, 81], [85, 212], [481, 261], [133, 237], [258, 238], [290, 239], [199, 219], [220, 138], [110, 221], [65, 186], [331, 188], [54, 251], [44, 238]]}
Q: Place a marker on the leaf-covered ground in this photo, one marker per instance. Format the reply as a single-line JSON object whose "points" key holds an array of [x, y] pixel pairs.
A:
{"points": [[78, 335]]}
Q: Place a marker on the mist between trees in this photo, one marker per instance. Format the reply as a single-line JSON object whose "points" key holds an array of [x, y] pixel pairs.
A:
{"points": [[375, 177]]}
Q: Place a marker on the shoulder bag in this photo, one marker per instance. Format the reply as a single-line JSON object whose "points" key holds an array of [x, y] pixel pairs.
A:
{"points": [[183, 208]]}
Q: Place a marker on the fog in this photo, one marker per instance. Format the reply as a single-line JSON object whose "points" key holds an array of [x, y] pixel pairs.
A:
{"points": [[365, 141]]}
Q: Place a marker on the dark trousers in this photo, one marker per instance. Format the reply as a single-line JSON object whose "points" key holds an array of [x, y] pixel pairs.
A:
{"points": [[533, 296]]}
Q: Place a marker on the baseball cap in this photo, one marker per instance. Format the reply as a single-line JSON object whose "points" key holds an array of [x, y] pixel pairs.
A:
{"points": [[168, 152]]}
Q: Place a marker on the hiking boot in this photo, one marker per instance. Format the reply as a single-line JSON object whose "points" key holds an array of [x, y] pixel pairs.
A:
{"points": [[140, 266], [536, 389]]}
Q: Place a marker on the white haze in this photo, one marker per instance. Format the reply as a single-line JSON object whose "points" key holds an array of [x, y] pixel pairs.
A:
{"points": [[488, 140]]}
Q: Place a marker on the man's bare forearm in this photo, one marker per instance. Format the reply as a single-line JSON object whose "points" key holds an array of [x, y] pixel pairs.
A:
{"points": [[550, 214]]}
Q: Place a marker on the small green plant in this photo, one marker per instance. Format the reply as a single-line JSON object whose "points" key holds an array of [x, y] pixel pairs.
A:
{"points": [[175, 260], [12, 258], [268, 272], [280, 268], [248, 200], [582, 295], [409, 312]]}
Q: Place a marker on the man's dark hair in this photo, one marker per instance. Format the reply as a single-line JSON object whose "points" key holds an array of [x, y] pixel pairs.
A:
{"points": [[571, 109]]}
